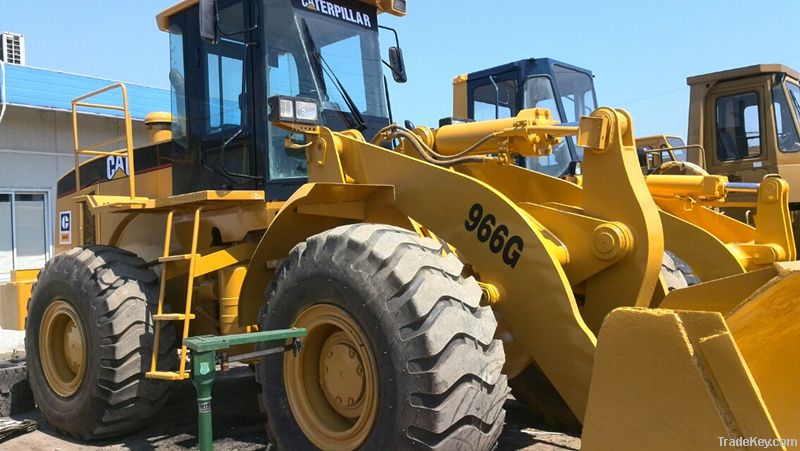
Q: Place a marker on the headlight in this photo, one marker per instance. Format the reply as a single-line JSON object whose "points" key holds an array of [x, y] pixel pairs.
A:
{"points": [[399, 6], [286, 109], [306, 111], [293, 109]]}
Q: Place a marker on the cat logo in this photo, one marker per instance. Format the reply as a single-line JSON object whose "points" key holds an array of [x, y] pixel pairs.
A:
{"points": [[116, 167], [345, 13], [65, 227]]}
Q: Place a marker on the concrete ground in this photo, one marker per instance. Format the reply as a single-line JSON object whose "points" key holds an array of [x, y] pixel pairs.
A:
{"points": [[12, 341], [238, 426]]}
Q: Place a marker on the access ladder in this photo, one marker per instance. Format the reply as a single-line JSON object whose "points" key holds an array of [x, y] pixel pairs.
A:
{"points": [[187, 315]]}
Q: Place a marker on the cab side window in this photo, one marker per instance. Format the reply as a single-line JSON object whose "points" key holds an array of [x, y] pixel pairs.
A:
{"points": [[284, 79], [485, 97], [539, 94], [224, 64], [738, 126], [225, 86], [788, 140]]}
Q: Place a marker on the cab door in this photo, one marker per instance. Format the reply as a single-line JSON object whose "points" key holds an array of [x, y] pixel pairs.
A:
{"points": [[494, 96], [741, 127], [221, 151]]}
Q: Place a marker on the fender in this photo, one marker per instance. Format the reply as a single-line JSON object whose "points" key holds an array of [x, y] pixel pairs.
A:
{"points": [[312, 209]]}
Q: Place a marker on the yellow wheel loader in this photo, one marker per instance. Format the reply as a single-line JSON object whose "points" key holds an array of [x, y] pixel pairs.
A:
{"points": [[427, 269], [744, 123], [568, 91]]}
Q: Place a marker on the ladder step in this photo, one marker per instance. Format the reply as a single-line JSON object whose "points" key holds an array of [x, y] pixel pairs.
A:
{"points": [[175, 258], [172, 317], [166, 375]]}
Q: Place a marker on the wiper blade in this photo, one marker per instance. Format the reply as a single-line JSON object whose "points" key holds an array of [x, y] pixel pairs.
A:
{"points": [[361, 125], [356, 120], [314, 56]]}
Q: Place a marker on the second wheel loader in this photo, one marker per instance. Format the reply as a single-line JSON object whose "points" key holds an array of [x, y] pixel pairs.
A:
{"points": [[426, 267]]}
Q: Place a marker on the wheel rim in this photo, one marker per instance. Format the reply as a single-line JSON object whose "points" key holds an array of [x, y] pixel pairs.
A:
{"points": [[332, 384], [62, 348]]}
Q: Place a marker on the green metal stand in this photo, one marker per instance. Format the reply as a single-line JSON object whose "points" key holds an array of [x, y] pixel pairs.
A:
{"points": [[204, 368]]}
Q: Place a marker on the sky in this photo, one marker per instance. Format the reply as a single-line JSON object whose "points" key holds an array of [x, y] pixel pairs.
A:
{"points": [[640, 51]]}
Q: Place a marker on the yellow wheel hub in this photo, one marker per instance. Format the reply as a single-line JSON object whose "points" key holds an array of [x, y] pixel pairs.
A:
{"points": [[62, 348], [332, 383], [342, 375]]}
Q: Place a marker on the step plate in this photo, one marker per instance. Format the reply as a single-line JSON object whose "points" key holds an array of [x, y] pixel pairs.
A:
{"points": [[166, 375], [172, 317]]}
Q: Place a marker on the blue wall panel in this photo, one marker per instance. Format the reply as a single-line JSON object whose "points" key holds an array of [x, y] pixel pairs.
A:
{"points": [[41, 88]]}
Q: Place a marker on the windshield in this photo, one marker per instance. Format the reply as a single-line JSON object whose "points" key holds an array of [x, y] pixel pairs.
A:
{"points": [[576, 97], [351, 54], [345, 34], [784, 124], [539, 94], [680, 154], [576, 91]]}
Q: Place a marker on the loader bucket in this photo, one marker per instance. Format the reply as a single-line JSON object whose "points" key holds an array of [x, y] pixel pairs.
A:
{"points": [[683, 379]]}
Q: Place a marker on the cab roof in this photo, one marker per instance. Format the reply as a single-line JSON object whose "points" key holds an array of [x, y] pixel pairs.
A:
{"points": [[162, 19], [742, 72], [527, 67]]}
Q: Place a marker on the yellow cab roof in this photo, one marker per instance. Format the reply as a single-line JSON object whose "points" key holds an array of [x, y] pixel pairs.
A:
{"points": [[742, 72]]}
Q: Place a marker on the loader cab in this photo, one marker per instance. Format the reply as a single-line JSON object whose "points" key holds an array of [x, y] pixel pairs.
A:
{"points": [[746, 119], [502, 91], [264, 48], [655, 150]]}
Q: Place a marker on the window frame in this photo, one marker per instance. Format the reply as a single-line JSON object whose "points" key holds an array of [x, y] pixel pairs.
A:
{"points": [[762, 129], [218, 106], [556, 99], [561, 96], [793, 113], [48, 224], [499, 79]]}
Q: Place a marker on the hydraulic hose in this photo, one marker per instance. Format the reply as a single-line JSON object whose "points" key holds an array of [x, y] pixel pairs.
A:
{"points": [[394, 131]]}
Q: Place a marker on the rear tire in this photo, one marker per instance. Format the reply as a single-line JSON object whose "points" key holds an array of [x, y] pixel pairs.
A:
{"points": [[15, 393], [677, 272], [93, 386], [436, 368], [673, 276]]}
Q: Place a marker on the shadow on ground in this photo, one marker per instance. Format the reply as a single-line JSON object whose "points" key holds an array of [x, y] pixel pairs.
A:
{"points": [[524, 431], [238, 424]]}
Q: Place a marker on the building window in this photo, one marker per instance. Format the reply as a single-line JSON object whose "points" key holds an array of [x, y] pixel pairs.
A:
{"points": [[24, 238], [12, 48]]}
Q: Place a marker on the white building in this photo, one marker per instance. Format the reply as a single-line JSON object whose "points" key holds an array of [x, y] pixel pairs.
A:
{"points": [[36, 148]]}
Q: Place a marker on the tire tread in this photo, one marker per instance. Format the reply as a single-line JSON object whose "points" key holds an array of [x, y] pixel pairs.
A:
{"points": [[453, 359], [121, 292]]}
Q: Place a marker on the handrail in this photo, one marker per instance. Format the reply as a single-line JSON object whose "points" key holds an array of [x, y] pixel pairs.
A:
{"points": [[105, 143], [126, 151]]}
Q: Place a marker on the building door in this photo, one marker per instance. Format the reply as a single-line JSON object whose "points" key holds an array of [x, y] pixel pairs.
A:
{"points": [[24, 241]]}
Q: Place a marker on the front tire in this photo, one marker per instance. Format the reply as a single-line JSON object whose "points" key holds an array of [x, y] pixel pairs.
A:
{"points": [[89, 342], [399, 354]]}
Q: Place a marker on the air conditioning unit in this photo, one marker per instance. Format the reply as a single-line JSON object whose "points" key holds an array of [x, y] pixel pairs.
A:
{"points": [[12, 48]]}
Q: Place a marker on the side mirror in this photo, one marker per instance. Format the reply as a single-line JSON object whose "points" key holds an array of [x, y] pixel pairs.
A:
{"points": [[397, 64], [208, 21]]}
